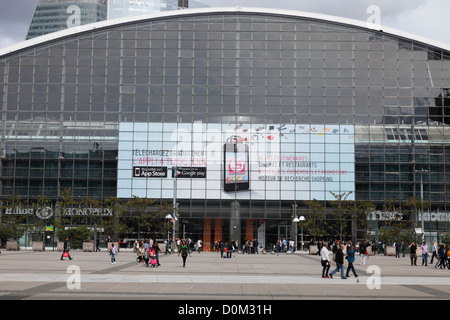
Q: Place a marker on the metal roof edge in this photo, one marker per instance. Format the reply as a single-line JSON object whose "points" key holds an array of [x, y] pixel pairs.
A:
{"points": [[186, 12]]}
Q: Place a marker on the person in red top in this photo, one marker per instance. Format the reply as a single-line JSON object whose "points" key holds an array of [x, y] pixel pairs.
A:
{"points": [[66, 249]]}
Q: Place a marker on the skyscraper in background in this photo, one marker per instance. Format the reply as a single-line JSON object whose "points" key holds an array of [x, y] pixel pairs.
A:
{"points": [[125, 8], [56, 15]]}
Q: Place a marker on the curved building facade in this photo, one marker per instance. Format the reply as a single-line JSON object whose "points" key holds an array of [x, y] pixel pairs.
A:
{"points": [[238, 115]]}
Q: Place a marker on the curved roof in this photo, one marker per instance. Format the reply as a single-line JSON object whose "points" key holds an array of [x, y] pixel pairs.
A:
{"points": [[190, 12]]}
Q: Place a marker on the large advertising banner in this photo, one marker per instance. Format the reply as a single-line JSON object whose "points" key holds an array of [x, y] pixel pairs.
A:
{"points": [[235, 161]]}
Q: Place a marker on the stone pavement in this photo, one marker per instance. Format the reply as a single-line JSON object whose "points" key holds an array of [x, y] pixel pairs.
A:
{"points": [[91, 276]]}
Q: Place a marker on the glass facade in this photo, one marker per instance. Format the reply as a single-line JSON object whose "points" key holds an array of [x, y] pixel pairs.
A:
{"points": [[125, 8], [55, 15], [64, 100]]}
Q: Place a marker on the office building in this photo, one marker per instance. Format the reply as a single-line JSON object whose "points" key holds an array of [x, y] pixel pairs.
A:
{"points": [[237, 116]]}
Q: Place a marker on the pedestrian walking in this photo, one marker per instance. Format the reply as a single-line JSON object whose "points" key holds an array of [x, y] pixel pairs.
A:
{"points": [[199, 245], [157, 251], [442, 257], [424, 248], [448, 257], [434, 253], [184, 251], [363, 253], [397, 249], [255, 245], [168, 247], [97, 244], [350, 259], [221, 248], [339, 262], [230, 249], [140, 255], [325, 260], [66, 249], [113, 253], [412, 253]]}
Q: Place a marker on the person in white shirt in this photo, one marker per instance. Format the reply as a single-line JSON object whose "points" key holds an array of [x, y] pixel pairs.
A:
{"points": [[113, 253], [199, 245], [325, 260], [434, 255], [424, 254]]}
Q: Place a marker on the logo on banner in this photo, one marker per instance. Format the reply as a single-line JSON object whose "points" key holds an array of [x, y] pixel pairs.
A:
{"points": [[236, 165], [44, 213]]}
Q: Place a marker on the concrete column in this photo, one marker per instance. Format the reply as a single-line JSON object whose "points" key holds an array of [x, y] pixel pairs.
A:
{"points": [[235, 221]]}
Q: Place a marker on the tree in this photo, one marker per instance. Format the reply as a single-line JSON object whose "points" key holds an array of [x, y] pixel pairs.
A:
{"points": [[316, 218], [361, 211], [67, 201], [446, 239], [76, 235], [90, 202], [116, 226], [41, 210], [343, 210], [393, 225], [150, 216], [13, 226], [143, 214], [416, 205]]}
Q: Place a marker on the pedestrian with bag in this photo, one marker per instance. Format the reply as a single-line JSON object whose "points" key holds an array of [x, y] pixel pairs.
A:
{"points": [[325, 260], [66, 249]]}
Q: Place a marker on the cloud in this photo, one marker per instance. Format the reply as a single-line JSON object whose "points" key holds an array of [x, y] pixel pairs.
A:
{"points": [[421, 17], [355, 9], [15, 18], [429, 20]]}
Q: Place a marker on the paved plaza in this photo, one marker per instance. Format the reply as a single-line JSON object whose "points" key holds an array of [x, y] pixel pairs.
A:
{"points": [[91, 276]]}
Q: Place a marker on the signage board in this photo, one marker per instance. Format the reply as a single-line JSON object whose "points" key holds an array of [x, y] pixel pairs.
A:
{"points": [[236, 161]]}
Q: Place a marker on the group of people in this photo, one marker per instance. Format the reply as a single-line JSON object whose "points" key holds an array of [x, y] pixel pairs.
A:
{"points": [[283, 245], [441, 253], [226, 248], [345, 254], [341, 252], [148, 253], [176, 245]]}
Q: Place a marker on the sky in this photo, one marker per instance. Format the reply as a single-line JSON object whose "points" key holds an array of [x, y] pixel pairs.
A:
{"points": [[427, 18]]}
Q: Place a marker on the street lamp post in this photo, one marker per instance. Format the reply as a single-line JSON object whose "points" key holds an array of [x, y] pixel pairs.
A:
{"points": [[302, 219], [168, 217], [294, 226], [422, 171], [175, 205], [296, 220]]}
